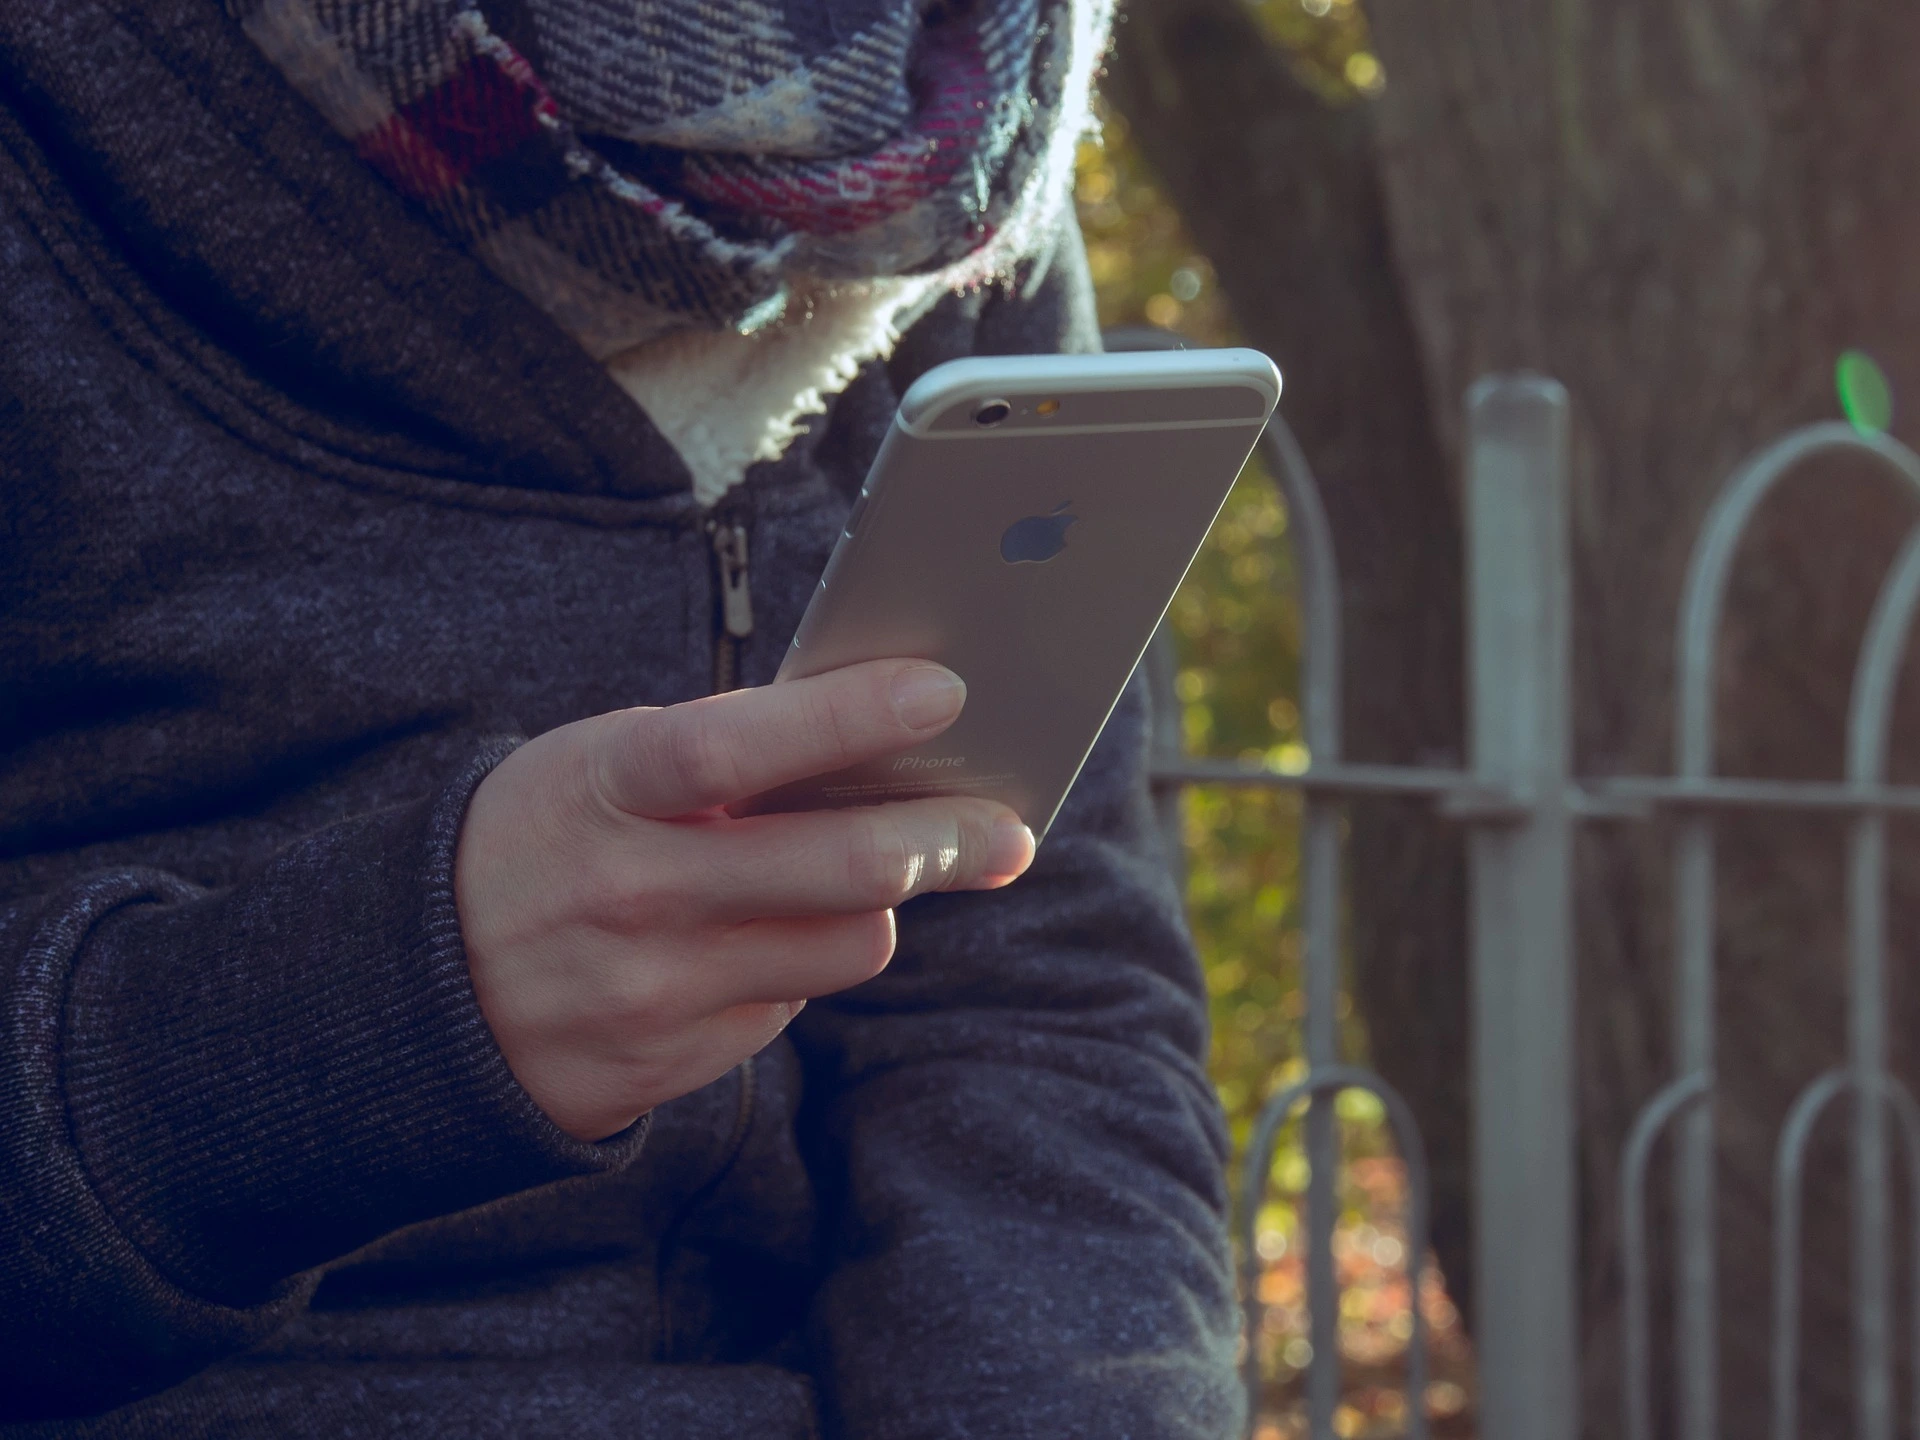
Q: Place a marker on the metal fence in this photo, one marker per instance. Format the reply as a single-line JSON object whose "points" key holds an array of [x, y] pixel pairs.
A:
{"points": [[1521, 801]]}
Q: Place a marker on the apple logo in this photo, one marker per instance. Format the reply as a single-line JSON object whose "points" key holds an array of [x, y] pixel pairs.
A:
{"points": [[1038, 538]]}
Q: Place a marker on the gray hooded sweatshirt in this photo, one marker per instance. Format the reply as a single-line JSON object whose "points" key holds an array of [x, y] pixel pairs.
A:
{"points": [[306, 520]]}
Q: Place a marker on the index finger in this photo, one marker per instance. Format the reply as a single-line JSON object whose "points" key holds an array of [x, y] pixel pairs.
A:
{"points": [[705, 753]]}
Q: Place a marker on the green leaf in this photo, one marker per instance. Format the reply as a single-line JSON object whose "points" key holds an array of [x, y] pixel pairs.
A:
{"points": [[1866, 399]]}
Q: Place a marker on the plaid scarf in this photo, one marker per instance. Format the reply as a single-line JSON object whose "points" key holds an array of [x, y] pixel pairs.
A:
{"points": [[644, 167]]}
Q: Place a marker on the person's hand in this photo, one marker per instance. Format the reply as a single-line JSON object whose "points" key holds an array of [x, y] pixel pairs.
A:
{"points": [[630, 942]]}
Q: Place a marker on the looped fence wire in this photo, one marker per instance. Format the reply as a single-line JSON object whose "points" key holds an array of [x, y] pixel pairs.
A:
{"points": [[1868, 800], [1519, 800], [1320, 1090], [1871, 1093]]}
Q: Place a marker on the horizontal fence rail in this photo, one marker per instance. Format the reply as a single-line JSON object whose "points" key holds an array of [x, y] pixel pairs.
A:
{"points": [[1317, 575], [1520, 802], [1621, 797]]}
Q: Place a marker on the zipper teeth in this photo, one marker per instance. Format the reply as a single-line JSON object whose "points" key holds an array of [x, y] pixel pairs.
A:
{"points": [[733, 599]]}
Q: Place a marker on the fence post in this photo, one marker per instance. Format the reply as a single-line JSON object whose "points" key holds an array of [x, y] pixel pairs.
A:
{"points": [[1523, 1034]]}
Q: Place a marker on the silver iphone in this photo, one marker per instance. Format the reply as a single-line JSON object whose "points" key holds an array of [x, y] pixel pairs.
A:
{"points": [[1025, 524]]}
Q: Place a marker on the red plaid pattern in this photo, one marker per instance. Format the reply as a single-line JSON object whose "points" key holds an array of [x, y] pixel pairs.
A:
{"points": [[900, 146]]}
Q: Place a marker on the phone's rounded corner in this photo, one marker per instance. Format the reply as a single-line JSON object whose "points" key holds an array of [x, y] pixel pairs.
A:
{"points": [[1262, 374], [929, 396]]}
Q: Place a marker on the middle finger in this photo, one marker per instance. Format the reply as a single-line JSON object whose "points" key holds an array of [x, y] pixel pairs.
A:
{"points": [[847, 862]]}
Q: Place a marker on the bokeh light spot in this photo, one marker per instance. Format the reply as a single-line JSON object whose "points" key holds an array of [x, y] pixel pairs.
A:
{"points": [[1365, 74]]}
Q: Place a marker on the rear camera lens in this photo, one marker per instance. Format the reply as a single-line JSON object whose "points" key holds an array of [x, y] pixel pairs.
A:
{"points": [[992, 412]]}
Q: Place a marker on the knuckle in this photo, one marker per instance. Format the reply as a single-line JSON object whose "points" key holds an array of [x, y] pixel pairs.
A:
{"points": [[602, 764], [958, 854], [643, 998], [629, 754], [603, 896], [696, 752], [966, 842], [630, 1001], [630, 911], [883, 865], [633, 894], [833, 720]]}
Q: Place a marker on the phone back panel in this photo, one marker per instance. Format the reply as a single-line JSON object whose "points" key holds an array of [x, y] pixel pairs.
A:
{"points": [[1033, 559]]}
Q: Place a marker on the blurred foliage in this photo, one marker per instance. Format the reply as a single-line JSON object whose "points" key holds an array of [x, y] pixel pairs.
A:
{"points": [[1329, 45], [1237, 629]]}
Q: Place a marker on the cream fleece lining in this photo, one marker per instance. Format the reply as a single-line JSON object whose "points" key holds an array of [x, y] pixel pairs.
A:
{"points": [[725, 400]]}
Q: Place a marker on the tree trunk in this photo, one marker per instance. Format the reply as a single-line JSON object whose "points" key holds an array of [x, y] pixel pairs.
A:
{"points": [[1280, 190], [1684, 209]]}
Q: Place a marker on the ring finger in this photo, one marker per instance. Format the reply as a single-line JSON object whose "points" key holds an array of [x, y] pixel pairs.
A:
{"points": [[796, 959]]}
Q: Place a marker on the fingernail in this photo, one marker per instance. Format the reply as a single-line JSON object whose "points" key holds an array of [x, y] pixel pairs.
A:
{"points": [[1011, 850], [927, 695]]}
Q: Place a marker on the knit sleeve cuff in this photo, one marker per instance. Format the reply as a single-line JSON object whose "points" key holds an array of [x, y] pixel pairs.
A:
{"points": [[266, 1077]]}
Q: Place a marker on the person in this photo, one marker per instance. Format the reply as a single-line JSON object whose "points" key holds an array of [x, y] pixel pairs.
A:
{"points": [[383, 383]]}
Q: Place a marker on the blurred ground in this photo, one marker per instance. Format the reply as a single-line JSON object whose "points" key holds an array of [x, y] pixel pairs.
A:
{"points": [[1375, 1324]]}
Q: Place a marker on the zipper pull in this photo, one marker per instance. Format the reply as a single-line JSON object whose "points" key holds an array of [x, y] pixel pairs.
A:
{"points": [[736, 593]]}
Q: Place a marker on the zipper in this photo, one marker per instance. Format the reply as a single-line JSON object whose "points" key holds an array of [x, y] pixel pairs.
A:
{"points": [[733, 615]]}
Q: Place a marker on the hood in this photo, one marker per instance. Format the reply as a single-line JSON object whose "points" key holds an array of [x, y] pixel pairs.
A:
{"points": [[195, 182]]}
